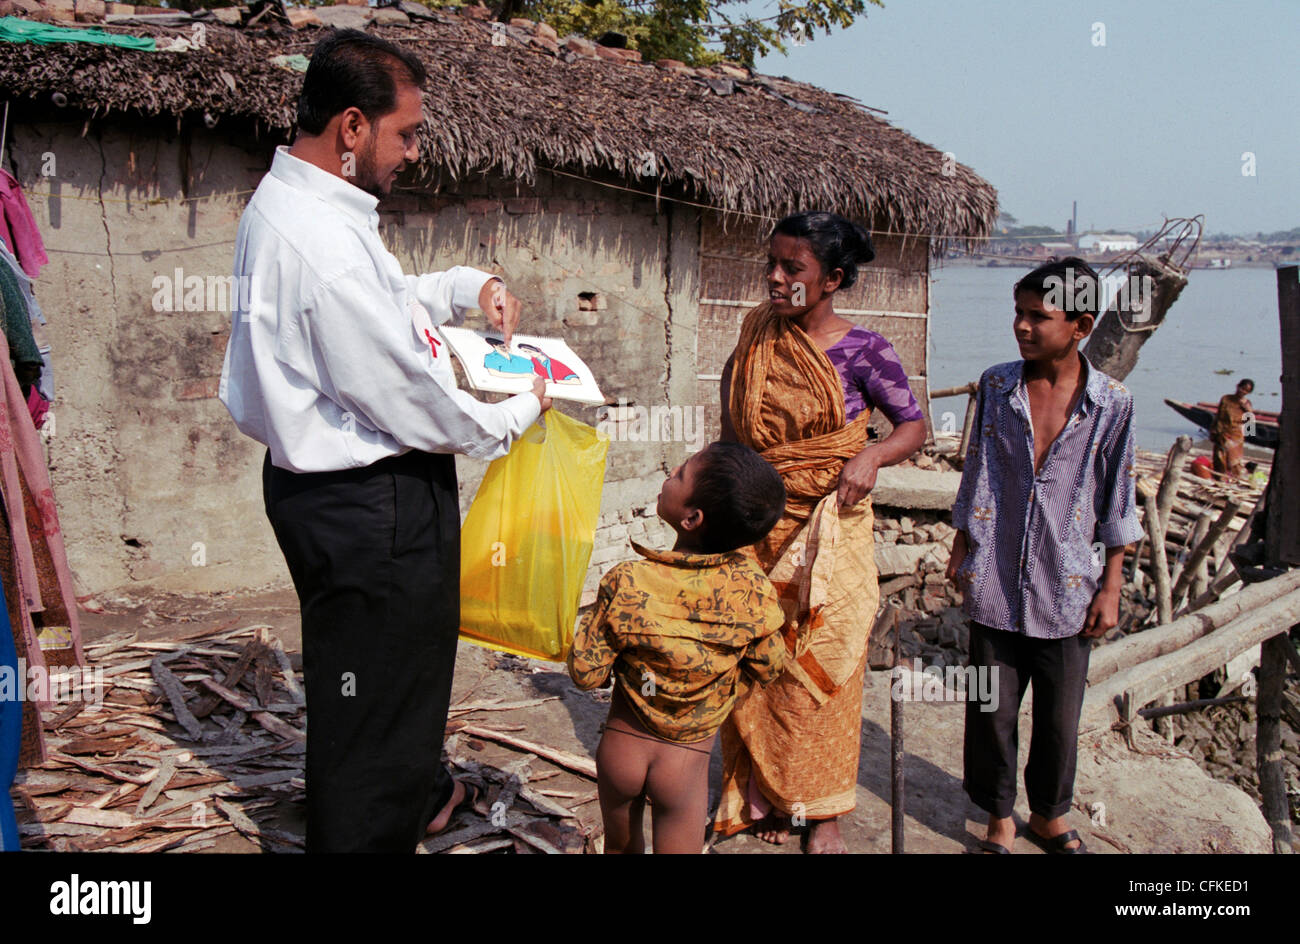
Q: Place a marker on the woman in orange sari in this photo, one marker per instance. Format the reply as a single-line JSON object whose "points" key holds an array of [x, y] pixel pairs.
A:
{"points": [[799, 389]]}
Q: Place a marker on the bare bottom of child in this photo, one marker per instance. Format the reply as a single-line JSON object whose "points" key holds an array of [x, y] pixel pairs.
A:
{"points": [[634, 766]]}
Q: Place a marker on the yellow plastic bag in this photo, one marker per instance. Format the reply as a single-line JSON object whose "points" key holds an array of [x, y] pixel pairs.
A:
{"points": [[526, 542]]}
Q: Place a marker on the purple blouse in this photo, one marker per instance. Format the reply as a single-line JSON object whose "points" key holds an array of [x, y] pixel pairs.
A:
{"points": [[873, 376]]}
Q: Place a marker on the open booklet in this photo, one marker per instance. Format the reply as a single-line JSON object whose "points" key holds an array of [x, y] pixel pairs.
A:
{"points": [[492, 366]]}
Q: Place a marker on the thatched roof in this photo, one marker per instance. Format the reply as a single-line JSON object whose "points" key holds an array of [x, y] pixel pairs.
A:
{"points": [[723, 136]]}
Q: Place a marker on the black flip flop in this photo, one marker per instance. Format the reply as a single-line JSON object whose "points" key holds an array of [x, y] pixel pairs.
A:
{"points": [[988, 845], [1058, 844]]}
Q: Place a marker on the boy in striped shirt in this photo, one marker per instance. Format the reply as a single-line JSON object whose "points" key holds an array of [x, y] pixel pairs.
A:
{"points": [[1044, 511]]}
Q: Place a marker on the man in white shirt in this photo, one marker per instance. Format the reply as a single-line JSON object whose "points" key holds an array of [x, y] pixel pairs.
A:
{"points": [[335, 364]]}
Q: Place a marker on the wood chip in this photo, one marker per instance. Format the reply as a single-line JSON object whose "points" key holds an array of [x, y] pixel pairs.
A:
{"points": [[488, 845], [544, 804], [175, 692], [496, 705], [238, 818], [268, 721], [551, 838], [567, 759], [166, 771], [208, 703], [64, 716], [89, 816], [286, 672]]}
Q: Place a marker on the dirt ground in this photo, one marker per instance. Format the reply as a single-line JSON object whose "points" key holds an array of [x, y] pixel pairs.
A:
{"points": [[1154, 799]]}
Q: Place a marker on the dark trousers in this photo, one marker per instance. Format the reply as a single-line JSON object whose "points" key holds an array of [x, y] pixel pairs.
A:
{"points": [[1058, 669], [375, 558]]}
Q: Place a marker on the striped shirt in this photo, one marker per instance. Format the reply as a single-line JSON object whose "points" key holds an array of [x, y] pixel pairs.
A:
{"points": [[1036, 540]]}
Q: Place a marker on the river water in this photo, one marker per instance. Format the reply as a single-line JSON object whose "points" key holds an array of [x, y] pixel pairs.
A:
{"points": [[1224, 320]]}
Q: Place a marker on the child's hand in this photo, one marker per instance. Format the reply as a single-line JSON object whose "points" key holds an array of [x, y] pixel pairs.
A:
{"points": [[958, 555], [1103, 613]]}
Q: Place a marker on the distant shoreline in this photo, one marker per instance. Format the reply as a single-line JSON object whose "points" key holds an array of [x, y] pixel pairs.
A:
{"points": [[1021, 262]]}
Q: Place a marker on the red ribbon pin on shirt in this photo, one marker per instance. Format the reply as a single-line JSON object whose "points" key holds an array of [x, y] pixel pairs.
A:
{"points": [[433, 343]]}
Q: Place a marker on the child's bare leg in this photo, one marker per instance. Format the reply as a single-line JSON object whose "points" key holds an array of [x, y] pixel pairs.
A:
{"points": [[678, 787], [621, 763]]}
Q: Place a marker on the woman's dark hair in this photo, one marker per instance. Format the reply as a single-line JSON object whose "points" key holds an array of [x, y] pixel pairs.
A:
{"points": [[351, 68], [1070, 284], [741, 496], [837, 243]]}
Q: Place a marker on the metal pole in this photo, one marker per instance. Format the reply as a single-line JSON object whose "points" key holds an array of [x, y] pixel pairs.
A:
{"points": [[896, 800]]}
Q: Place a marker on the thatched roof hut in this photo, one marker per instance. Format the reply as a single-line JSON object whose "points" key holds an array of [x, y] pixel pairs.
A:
{"points": [[625, 203], [725, 136]]}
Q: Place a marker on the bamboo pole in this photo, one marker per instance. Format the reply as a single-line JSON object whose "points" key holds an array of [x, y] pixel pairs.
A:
{"points": [[1203, 548], [897, 797], [1140, 647], [1159, 560], [1268, 740], [1281, 547], [965, 427], [1199, 530], [1145, 682], [1194, 705], [969, 389], [1158, 514]]}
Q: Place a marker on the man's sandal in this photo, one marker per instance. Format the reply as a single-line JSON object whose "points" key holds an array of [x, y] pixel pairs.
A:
{"points": [[988, 845], [1058, 844]]}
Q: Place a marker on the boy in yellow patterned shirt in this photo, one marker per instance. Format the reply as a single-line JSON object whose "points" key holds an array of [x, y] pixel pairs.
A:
{"points": [[677, 631]]}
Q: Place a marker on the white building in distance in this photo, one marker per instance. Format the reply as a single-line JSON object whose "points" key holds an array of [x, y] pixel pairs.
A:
{"points": [[1108, 242]]}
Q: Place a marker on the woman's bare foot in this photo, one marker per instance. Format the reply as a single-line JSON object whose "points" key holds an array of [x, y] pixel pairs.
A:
{"points": [[445, 814], [773, 828], [824, 838]]}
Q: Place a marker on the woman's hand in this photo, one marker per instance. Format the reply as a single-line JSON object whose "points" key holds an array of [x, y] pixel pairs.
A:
{"points": [[858, 477]]}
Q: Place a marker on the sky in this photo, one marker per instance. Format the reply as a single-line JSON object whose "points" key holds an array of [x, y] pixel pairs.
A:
{"points": [[1154, 123]]}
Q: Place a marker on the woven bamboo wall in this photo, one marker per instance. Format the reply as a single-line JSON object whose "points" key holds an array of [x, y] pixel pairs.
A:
{"points": [[891, 296]]}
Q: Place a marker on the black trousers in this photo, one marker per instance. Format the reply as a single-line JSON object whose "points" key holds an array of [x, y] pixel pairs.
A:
{"points": [[1058, 669], [375, 558]]}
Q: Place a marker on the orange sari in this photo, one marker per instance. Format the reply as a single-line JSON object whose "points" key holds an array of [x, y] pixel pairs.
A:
{"points": [[796, 741]]}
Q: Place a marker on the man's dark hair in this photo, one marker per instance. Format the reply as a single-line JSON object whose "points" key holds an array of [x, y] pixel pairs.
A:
{"points": [[1246, 380], [838, 243], [1070, 283], [351, 68], [741, 496]]}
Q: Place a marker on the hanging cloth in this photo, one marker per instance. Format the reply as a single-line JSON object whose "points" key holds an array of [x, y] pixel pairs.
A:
{"points": [[18, 227]]}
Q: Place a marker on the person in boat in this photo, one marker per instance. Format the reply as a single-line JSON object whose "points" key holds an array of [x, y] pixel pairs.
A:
{"points": [[1228, 432]]}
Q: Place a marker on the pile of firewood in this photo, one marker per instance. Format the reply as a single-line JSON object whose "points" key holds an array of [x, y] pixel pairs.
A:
{"points": [[192, 740]]}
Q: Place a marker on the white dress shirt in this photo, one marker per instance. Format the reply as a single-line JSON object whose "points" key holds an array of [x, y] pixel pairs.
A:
{"points": [[334, 360]]}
